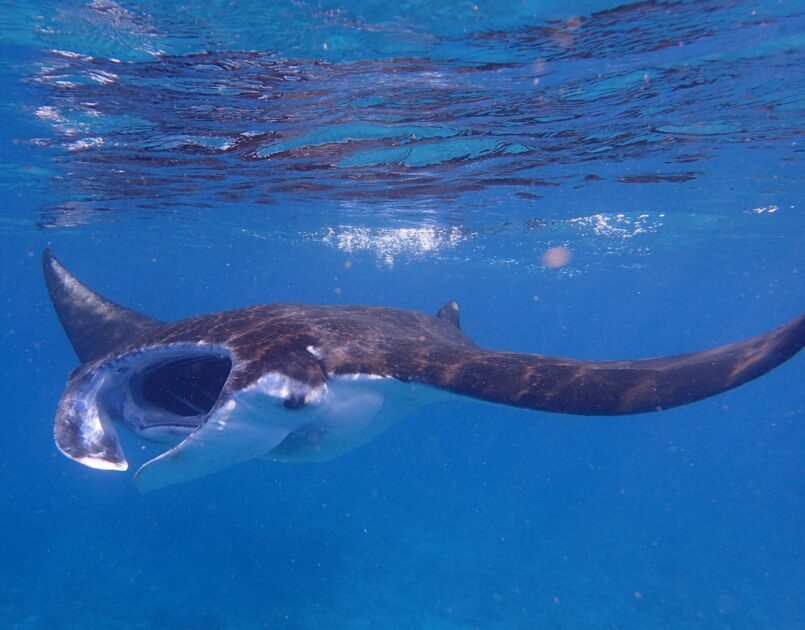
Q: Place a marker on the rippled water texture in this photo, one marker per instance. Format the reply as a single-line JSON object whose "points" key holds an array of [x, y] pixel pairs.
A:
{"points": [[411, 111]]}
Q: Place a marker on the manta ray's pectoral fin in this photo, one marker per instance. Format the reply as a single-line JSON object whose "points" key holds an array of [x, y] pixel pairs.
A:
{"points": [[94, 325], [606, 388], [450, 313]]}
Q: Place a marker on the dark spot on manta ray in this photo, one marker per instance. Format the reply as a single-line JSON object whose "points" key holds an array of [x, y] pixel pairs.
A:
{"points": [[306, 383]]}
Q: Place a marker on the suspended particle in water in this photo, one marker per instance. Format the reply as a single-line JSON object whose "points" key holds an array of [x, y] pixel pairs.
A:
{"points": [[556, 257]]}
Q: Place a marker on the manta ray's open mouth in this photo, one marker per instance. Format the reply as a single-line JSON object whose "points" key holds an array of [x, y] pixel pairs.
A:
{"points": [[184, 386], [163, 394]]}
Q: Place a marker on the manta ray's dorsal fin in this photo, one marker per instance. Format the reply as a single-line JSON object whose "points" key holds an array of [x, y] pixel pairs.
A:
{"points": [[94, 325], [450, 313]]}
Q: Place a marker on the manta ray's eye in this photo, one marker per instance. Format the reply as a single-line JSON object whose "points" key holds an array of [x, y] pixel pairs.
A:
{"points": [[186, 386]]}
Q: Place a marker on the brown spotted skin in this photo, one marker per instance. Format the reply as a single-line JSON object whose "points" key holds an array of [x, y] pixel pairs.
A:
{"points": [[348, 339], [312, 343], [620, 387]]}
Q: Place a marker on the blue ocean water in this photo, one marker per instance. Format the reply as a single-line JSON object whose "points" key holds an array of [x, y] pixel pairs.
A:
{"points": [[183, 158]]}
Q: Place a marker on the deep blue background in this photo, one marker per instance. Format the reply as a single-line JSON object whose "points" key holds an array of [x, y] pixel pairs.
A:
{"points": [[659, 146]]}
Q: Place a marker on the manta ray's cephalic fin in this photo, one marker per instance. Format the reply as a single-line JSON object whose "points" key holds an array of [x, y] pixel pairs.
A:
{"points": [[94, 325]]}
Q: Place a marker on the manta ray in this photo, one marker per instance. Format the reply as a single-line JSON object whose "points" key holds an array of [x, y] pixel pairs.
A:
{"points": [[304, 383]]}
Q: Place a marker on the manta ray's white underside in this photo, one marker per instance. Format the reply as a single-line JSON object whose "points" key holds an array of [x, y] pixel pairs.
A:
{"points": [[348, 412], [344, 413]]}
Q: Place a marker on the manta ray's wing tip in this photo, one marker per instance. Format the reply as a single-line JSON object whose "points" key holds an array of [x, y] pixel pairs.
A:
{"points": [[51, 263]]}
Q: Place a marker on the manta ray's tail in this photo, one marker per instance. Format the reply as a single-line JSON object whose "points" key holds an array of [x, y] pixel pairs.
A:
{"points": [[93, 324], [619, 387]]}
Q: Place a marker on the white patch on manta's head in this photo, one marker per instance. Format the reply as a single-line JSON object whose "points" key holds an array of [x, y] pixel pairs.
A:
{"points": [[358, 376], [281, 387], [219, 417], [316, 352]]}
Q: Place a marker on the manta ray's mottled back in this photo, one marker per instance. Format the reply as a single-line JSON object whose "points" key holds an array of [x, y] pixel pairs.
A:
{"points": [[298, 382]]}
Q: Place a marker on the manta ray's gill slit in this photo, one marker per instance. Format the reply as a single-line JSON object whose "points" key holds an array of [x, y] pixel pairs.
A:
{"points": [[186, 386]]}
